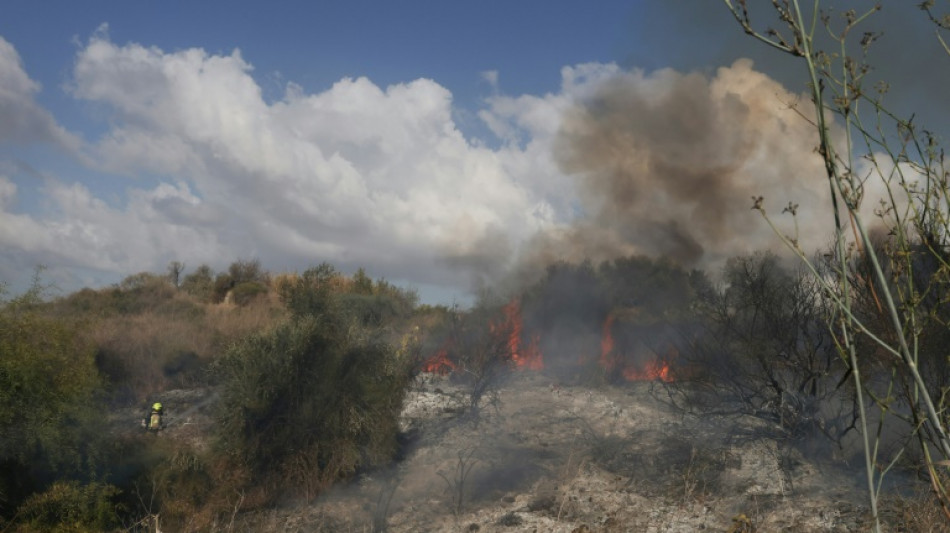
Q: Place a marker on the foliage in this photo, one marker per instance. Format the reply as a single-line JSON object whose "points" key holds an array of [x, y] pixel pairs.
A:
{"points": [[316, 397], [573, 303], [48, 404], [245, 292], [242, 271], [371, 303], [199, 283], [310, 293], [479, 345], [657, 287], [380, 305], [140, 293], [70, 507]]}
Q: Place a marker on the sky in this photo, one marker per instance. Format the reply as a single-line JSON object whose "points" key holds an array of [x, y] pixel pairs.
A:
{"points": [[443, 146]]}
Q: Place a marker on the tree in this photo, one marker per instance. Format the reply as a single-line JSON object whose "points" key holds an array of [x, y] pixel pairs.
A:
{"points": [[175, 269], [480, 347], [243, 270]]}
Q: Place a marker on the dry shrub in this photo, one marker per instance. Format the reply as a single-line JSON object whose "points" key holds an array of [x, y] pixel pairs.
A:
{"points": [[190, 490], [230, 323], [143, 354], [921, 512], [283, 281]]}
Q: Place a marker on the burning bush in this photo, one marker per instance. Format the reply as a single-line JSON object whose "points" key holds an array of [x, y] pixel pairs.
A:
{"points": [[616, 323]]}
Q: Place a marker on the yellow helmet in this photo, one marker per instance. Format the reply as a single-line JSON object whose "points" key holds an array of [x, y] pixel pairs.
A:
{"points": [[156, 406]]}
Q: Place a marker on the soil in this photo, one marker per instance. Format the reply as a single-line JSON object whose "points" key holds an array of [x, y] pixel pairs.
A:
{"points": [[555, 458]]}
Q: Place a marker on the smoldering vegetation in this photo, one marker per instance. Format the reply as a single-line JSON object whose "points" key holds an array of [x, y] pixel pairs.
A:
{"points": [[336, 402]]}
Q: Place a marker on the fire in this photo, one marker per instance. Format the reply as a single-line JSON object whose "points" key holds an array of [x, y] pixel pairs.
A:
{"points": [[654, 370], [607, 345], [524, 352], [528, 357], [439, 363], [610, 360]]}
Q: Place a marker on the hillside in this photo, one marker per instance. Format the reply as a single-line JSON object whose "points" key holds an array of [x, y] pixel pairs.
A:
{"points": [[571, 459]]}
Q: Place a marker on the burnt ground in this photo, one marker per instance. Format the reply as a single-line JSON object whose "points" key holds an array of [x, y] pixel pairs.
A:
{"points": [[553, 458]]}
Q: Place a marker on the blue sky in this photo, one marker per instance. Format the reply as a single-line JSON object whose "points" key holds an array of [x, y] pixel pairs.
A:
{"points": [[443, 145]]}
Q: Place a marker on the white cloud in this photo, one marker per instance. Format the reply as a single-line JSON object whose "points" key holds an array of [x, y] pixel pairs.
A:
{"points": [[357, 174], [7, 191], [491, 77], [22, 120]]}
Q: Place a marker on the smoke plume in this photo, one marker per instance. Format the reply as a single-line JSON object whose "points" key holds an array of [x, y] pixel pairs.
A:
{"points": [[667, 164]]}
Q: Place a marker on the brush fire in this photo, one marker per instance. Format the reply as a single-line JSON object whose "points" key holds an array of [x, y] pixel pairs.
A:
{"points": [[631, 360]]}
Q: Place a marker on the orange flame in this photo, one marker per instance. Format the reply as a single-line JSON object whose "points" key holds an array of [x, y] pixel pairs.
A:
{"points": [[439, 364], [607, 345], [654, 369], [527, 355], [530, 356]]}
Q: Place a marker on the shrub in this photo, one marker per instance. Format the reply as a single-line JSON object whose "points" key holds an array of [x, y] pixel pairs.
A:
{"points": [[765, 351], [245, 292], [199, 283], [247, 270], [223, 283], [49, 415], [67, 506], [313, 399]]}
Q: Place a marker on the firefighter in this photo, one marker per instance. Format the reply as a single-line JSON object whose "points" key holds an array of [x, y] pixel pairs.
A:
{"points": [[154, 421]]}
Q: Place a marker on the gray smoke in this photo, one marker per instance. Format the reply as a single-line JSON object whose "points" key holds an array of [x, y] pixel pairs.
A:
{"points": [[667, 164]]}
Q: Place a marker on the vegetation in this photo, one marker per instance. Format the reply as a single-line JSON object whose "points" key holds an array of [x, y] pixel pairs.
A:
{"points": [[48, 416], [764, 351], [310, 374], [328, 352], [318, 395], [888, 296]]}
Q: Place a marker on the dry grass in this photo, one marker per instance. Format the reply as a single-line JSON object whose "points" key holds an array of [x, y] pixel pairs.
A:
{"points": [[919, 513], [171, 346]]}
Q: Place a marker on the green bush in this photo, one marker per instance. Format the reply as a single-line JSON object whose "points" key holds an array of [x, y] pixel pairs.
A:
{"points": [[223, 283], [314, 399], [49, 414], [245, 292], [69, 507]]}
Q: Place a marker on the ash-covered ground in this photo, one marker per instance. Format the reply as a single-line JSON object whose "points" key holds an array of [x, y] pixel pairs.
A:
{"points": [[554, 458]]}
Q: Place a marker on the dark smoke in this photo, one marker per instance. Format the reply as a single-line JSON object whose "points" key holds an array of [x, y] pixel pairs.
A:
{"points": [[667, 163]]}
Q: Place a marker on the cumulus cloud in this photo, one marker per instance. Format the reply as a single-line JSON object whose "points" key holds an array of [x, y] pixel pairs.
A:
{"points": [[22, 120], [355, 174], [613, 162]]}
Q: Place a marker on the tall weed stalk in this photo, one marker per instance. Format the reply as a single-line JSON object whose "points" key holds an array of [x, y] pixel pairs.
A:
{"points": [[906, 275]]}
